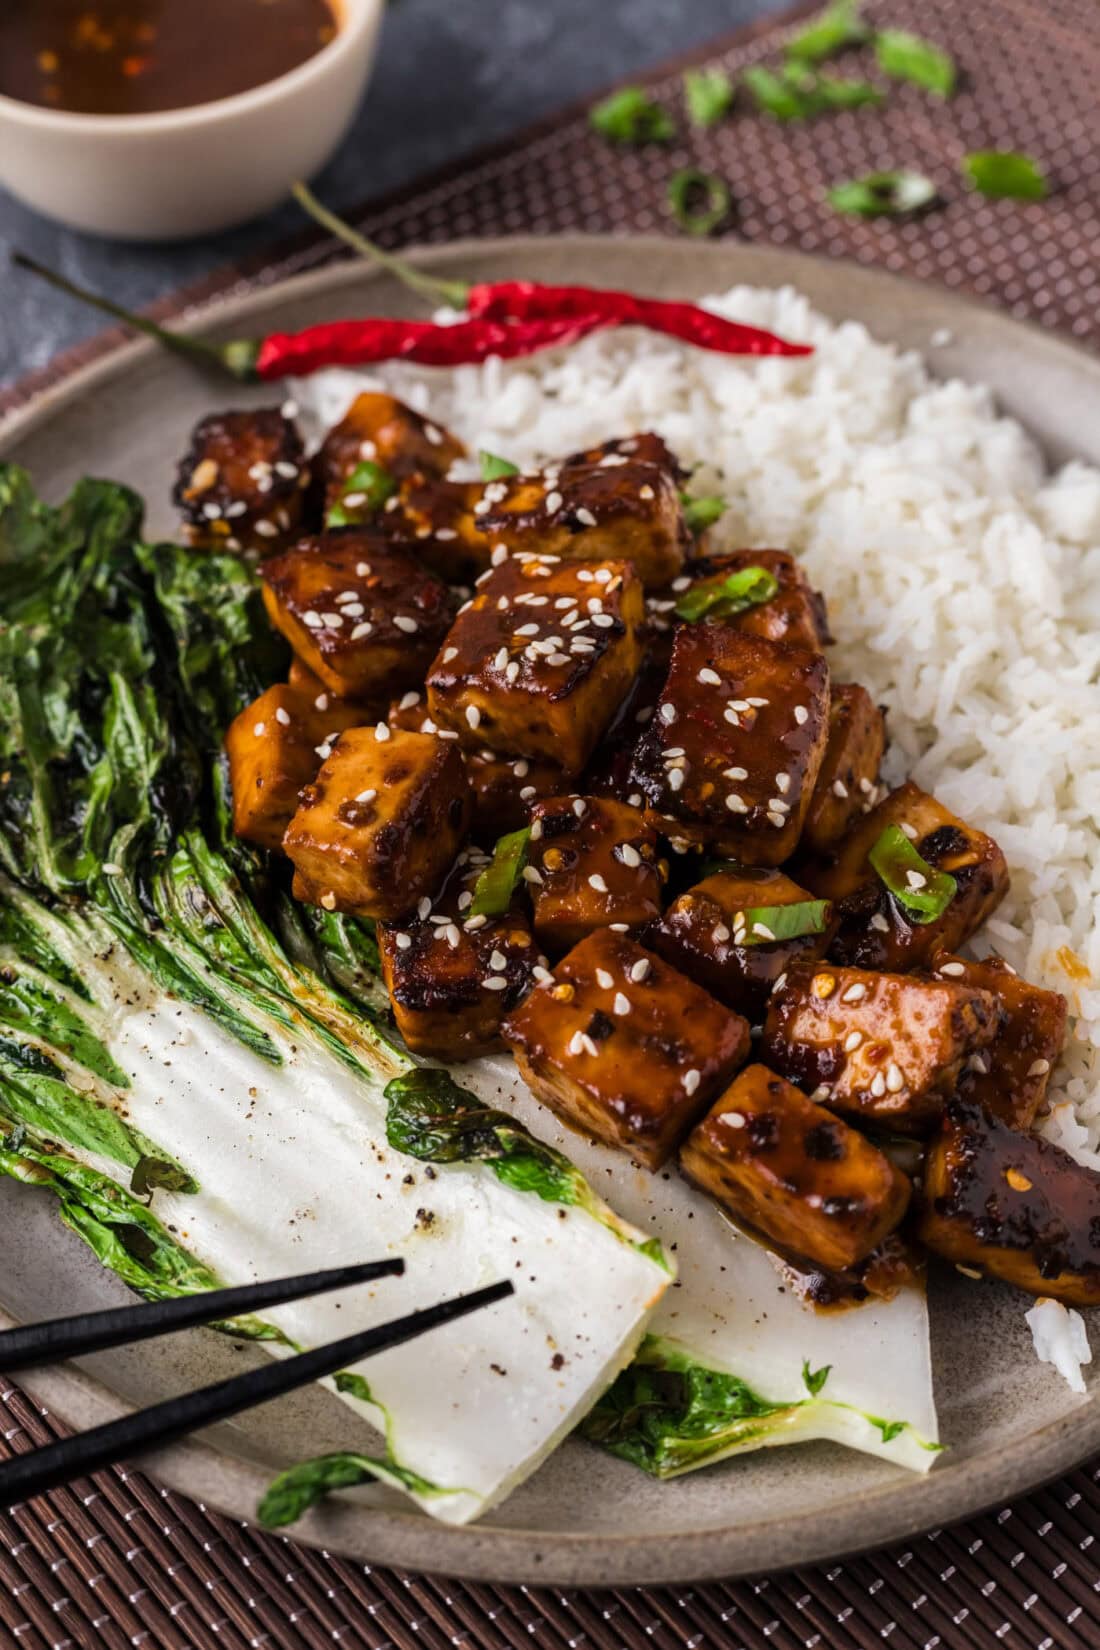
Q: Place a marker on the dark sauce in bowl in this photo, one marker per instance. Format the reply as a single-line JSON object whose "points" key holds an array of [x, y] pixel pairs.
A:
{"points": [[133, 57]]}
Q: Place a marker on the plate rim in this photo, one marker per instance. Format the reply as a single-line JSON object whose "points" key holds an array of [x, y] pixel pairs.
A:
{"points": [[896, 1510]]}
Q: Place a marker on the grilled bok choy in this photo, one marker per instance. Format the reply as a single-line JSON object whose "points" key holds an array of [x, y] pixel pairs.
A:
{"points": [[178, 1052]]}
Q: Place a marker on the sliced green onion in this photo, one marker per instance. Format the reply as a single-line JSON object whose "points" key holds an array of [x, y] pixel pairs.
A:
{"points": [[630, 116], [722, 598], [798, 93], [883, 193], [701, 513], [366, 490], [923, 892], [908, 57], [838, 26], [765, 924], [1005, 175], [497, 883], [700, 200], [494, 468], [708, 94]]}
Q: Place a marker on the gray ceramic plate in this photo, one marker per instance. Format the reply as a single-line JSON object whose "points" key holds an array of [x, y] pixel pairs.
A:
{"points": [[584, 1518]]}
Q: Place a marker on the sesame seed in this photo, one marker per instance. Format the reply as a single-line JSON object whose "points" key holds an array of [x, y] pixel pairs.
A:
{"points": [[584, 515], [211, 511], [532, 874], [500, 553], [528, 793], [777, 805], [260, 729], [739, 705], [736, 804], [536, 830], [355, 501], [801, 715], [646, 492], [495, 982], [313, 620], [757, 704], [954, 969], [735, 773], [576, 1043], [360, 630], [667, 713], [894, 1079], [731, 717], [604, 980], [916, 879], [446, 532], [676, 779], [909, 830], [553, 502], [603, 621], [692, 1079], [1038, 1068], [423, 906], [282, 717], [366, 796], [236, 509], [284, 468], [433, 435], [328, 900], [452, 936], [557, 659], [821, 1092], [866, 786], [854, 994], [763, 930], [409, 626], [619, 927], [334, 620], [852, 1041], [521, 768], [409, 700], [473, 716], [630, 855], [710, 677], [878, 1085], [321, 702], [640, 970], [720, 933], [780, 982], [621, 1005], [403, 941], [580, 806], [783, 783], [110, 869], [542, 976], [597, 882], [879, 921], [527, 630], [353, 610], [381, 732], [472, 924]]}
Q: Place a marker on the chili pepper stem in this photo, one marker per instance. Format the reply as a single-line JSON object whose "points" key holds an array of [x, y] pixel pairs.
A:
{"points": [[238, 357], [432, 287]]}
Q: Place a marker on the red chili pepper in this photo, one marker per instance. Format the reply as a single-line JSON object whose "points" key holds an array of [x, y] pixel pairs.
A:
{"points": [[355, 343]]}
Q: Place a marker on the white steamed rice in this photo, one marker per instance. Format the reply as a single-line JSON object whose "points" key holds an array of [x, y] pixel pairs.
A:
{"points": [[963, 585]]}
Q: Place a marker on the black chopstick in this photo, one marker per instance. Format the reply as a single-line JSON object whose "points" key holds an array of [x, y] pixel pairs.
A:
{"points": [[163, 1423], [58, 1338]]}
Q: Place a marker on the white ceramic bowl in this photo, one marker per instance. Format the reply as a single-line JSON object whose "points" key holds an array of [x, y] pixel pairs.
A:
{"points": [[161, 177]]}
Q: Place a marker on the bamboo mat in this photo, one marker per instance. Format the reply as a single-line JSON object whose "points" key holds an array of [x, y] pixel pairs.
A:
{"points": [[120, 1562]]}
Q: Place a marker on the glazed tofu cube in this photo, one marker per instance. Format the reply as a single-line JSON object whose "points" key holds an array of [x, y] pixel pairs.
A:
{"points": [[538, 662], [380, 826], [1010, 1075], [609, 767], [240, 484], [364, 617], [847, 783], [730, 758], [591, 862], [794, 1174], [451, 977], [629, 511], [645, 448], [623, 1048], [436, 518], [379, 429], [875, 930], [505, 788], [884, 1047], [1013, 1206], [275, 746], [795, 614], [712, 934]]}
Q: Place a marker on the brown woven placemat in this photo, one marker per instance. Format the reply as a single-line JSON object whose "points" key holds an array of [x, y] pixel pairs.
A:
{"points": [[118, 1561]]}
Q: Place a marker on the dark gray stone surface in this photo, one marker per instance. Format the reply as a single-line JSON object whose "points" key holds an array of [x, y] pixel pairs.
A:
{"points": [[451, 75]]}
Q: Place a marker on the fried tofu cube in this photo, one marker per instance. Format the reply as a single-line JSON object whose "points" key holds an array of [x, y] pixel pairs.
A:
{"points": [[380, 825], [711, 933], [591, 862], [275, 747], [630, 511], [795, 614], [436, 517], [623, 1048], [886, 1048], [537, 663], [379, 429], [1013, 1206], [794, 1174], [240, 484], [1010, 1075], [847, 783], [730, 758], [451, 977], [874, 929], [364, 617], [645, 448]]}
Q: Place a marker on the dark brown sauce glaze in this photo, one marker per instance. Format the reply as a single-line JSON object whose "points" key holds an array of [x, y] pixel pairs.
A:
{"points": [[894, 1265], [131, 57]]}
